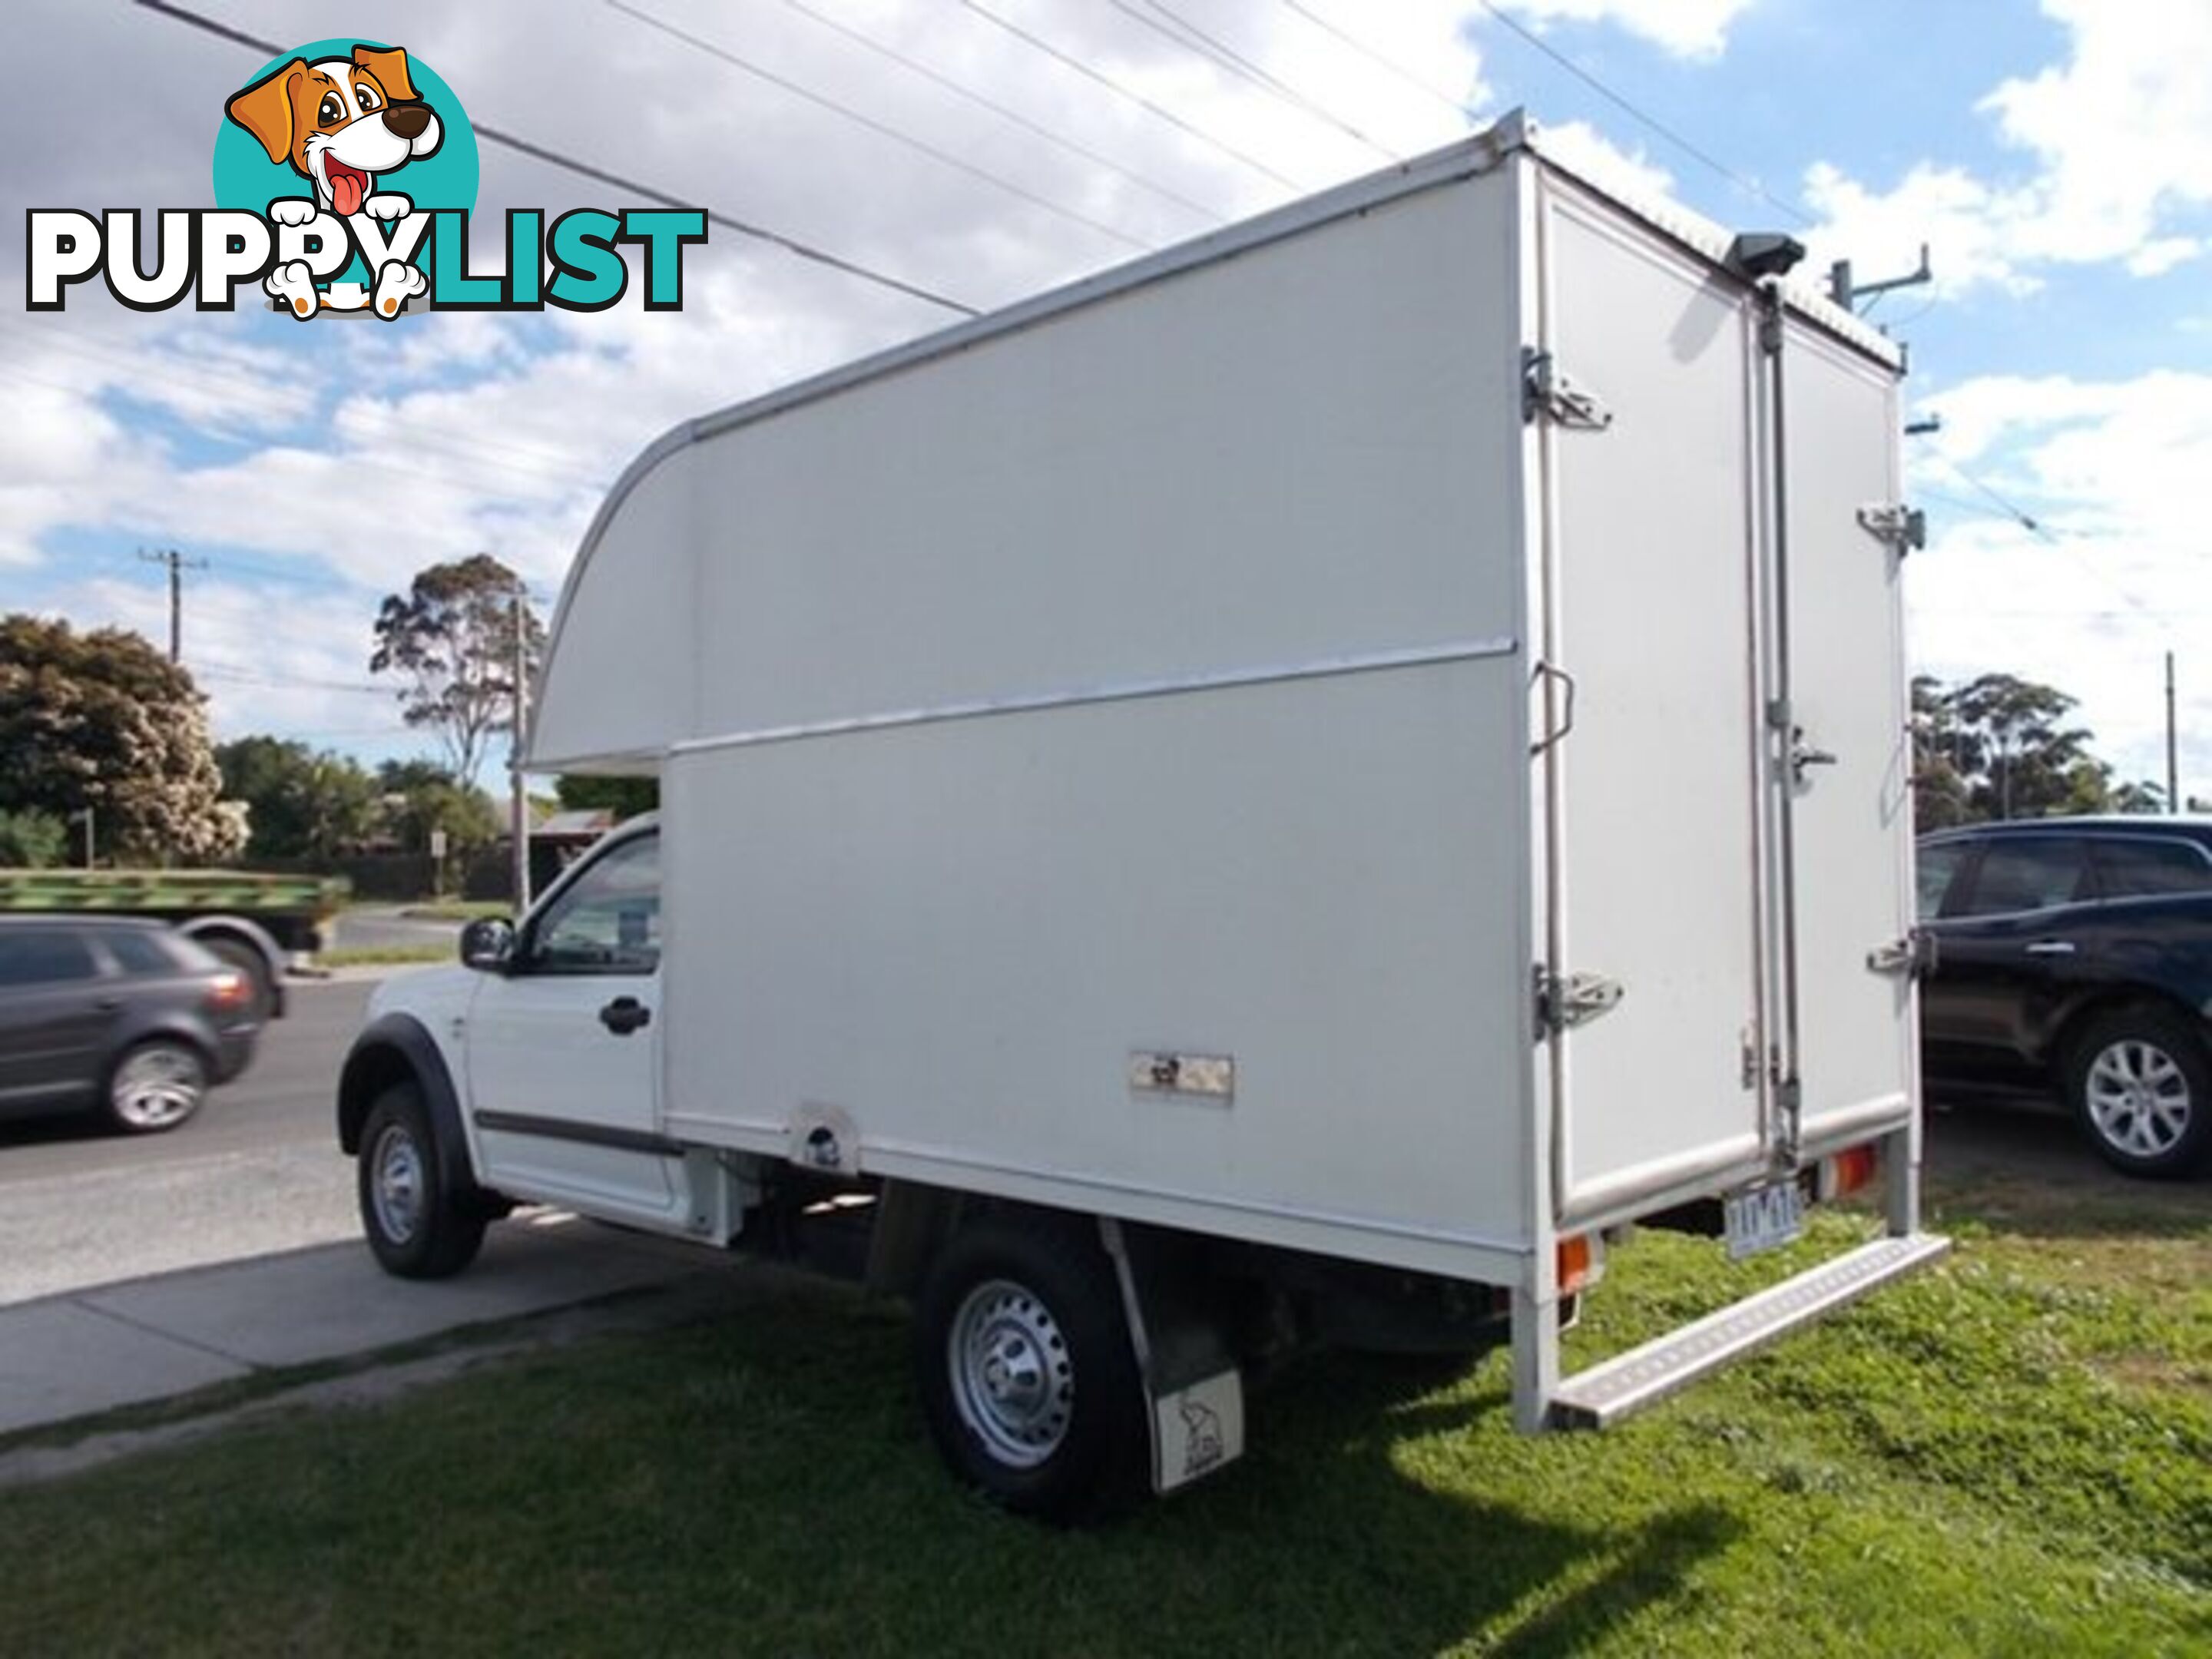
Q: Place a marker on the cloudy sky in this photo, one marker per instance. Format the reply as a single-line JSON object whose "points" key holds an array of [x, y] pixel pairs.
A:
{"points": [[2056, 157]]}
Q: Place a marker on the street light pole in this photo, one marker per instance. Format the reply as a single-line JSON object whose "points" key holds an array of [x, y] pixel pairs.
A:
{"points": [[2172, 768]]}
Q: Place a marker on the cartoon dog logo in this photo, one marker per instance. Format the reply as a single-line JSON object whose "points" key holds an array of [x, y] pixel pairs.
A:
{"points": [[341, 122]]}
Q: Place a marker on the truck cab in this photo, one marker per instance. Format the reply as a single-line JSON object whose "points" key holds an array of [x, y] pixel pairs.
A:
{"points": [[546, 1037]]}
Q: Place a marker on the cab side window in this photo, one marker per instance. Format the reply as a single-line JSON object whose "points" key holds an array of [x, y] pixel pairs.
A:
{"points": [[609, 921]]}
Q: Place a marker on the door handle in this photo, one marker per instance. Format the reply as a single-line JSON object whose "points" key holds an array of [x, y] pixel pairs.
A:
{"points": [[2051, 947], [1803, 755], [624, 1015], [106, 1005]]}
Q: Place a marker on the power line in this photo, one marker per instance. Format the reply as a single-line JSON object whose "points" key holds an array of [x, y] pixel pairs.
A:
{"points": [[1395, 68], [223, 673], [1001, 110], [920, 146], [1188, 35], [2035, 527], [1653, 122], [1120, 91], [538, 152], [2010, 509]]}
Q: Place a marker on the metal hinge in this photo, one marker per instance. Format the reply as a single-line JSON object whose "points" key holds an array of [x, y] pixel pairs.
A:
{"points": [[1903, 527], [1914, 954], [1575, 1000], [1546, 390]]}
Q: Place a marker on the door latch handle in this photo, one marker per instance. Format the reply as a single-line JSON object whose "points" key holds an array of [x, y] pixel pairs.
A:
{"points": [[2051, 947], [1566, 681], [624, 1015], [1803, 755]]}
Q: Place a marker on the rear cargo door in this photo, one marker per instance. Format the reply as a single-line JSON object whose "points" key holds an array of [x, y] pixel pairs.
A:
{"points": [[1653, 790], [1846, 785]]}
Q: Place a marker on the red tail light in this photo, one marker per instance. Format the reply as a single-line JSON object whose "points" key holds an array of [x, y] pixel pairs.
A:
{"points": [[1582, 1263], [228, 992], [1848, 1171]]}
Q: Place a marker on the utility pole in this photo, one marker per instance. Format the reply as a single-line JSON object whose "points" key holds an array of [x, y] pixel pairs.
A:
{"points": [[177, 564], [519, 805], [2172, 769]]}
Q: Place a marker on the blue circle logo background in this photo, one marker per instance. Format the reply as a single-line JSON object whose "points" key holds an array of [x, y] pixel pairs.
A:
{"points": [[245, 179]]}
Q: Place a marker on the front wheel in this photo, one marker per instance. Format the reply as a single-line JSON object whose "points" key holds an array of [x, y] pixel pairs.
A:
{"points": [[2140, 1083], [1027, 1377], [418, 1215]]}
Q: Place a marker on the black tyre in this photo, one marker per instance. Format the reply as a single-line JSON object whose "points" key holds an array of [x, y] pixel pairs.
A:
{"points": [[422, 1219], [2140, 1083], [1028, 1380], [261, 989], [156, 1085]]}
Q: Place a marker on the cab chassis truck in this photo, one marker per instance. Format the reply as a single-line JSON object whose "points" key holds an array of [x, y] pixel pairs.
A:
{"points": [[1288, 790]]}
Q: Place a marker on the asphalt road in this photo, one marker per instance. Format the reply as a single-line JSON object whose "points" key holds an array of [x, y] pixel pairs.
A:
{"points": [[257, 1171]]}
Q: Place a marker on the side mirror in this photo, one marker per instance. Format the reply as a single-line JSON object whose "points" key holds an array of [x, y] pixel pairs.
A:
{"points": [[489, 944]]}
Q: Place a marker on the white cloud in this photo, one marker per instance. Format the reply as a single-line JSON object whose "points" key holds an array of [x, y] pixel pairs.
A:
{"points": [[2120, 136], [1582, 149], [2114, 574], [2124, 129], [1689, 28]]}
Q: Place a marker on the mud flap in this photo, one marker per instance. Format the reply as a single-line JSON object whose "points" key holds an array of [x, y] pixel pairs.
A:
{"points": [[1193, 1389]]}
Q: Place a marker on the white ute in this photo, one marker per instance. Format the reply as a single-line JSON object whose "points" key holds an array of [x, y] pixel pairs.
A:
{"points": [[1281, 793]]}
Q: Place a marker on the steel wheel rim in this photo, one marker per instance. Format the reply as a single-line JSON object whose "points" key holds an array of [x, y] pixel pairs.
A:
{"points": [[397, 1184], [2138, 1097], [1013, 1378], [154, 1088]]}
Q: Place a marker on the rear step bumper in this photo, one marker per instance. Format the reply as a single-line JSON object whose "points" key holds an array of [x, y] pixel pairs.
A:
{"points": [[1606, 1393]]}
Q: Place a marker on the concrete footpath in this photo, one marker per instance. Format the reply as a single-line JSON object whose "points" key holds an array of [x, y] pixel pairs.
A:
{"points": [[142, 1340]]}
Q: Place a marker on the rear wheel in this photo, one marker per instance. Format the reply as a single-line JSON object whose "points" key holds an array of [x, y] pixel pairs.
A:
{"points": [[420, 1217], [156, 1086], [2140, 1084], [1027, 1378]]}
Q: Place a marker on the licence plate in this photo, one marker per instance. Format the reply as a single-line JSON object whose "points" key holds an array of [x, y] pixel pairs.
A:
{"points": [[1763, 1218]]}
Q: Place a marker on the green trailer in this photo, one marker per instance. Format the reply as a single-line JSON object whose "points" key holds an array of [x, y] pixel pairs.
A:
{"points": [[260, 924]]}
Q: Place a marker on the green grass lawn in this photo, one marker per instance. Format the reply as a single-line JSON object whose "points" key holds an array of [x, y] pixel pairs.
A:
{"points": [[2011, 1454]]}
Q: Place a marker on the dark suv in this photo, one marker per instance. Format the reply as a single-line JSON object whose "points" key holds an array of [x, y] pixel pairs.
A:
{"points": [[115, 1015], [2075, 955]]}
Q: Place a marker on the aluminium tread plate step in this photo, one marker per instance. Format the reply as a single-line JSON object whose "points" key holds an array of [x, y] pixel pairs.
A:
{"points": [[1627, 1383]]}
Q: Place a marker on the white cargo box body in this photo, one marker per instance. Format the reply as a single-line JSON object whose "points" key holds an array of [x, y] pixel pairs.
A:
{"points": [[1145, 752]]}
